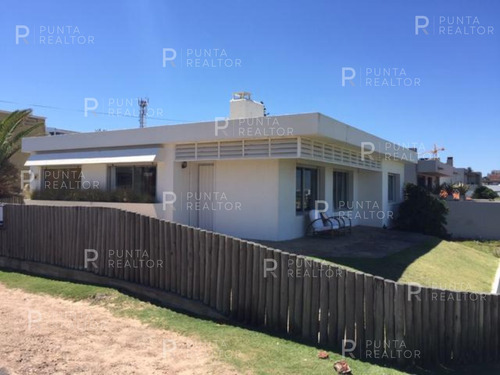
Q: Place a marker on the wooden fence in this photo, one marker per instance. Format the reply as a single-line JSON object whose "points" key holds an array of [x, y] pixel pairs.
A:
{"points": [[304, 299]]}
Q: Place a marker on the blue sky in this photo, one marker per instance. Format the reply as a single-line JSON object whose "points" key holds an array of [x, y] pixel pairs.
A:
{"points": [[290, 55]]}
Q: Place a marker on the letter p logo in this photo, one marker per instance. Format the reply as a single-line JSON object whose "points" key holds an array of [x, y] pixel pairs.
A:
{"points": [[22, 31], [169, 54], [421, 25], [348, 74]]}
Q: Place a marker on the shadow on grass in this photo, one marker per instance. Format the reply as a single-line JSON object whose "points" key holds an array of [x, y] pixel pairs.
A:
{"points": [[390, 267]]}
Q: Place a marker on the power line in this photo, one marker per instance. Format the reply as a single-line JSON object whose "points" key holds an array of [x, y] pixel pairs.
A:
{"points": [[95, 112]]}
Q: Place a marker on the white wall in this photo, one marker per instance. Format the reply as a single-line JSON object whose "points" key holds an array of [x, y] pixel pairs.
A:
{"points": [[245, 199], [474, 219]]}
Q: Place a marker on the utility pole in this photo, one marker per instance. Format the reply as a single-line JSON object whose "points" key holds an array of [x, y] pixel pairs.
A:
{"points": [[143, 104]]}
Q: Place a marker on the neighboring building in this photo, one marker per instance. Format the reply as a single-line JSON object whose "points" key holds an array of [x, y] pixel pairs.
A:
{"points": [[432, 172], [248, 176], [56, 131], [493, 178]]}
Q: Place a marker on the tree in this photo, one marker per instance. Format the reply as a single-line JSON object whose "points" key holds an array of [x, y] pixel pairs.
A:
{"points": [[11, 135], [421, 212], [484, 192]]}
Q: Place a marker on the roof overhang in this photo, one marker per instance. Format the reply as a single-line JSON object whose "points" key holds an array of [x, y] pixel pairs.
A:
{"points": [[114, 156]]}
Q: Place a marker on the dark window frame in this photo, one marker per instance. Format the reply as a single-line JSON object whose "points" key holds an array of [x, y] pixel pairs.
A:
{"points": [[303, 203], [342, 180]]}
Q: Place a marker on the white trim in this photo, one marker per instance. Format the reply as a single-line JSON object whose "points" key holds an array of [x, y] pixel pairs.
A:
{"points": [[115, 156]]}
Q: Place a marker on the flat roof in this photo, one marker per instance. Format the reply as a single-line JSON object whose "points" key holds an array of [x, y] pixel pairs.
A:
{"points": [[314, 125]]}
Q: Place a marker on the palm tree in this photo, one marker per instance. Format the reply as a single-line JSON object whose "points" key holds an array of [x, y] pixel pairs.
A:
{"points": [[11, 135]]}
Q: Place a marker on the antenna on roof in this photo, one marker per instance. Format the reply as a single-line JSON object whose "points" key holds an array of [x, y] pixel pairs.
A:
{"points": [[143, 104]]}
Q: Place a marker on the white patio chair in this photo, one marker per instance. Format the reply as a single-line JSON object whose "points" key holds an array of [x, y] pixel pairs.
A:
{"points": [[344, 220], [320, 224]]}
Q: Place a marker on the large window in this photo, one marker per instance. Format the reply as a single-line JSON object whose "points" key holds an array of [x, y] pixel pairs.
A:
{"points": [[139, 179], [306, 183], [340, 190]]}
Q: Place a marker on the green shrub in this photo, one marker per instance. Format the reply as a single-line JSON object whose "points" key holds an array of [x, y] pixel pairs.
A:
{"points": [[421, 212], [92, 195], [484, 192]]}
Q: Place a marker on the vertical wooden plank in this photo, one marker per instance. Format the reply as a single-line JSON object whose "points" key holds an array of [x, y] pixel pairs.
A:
{"points": [[268, 259], [323, 304], [200, 278], [283, 310], [315, 302], [291, 274], [190, 262], [254, 319], [486, 327], [250, 270], [307, 296], [433, 326], [359, 313], [332, 306], [261, 309], [464, 338], [341, 306], [162, 253], [179, 259], [184, 260], [495, 326], [172, 232], [389, 315], [369, 310], [299, 295], [379, 312], [220, 274], [426, 354], [121, 244], [276, 276], [350, 293], [226, 291], [399, 323], [449, 311], [214, 272], [209, 270], [196, 264], [243, 273], [235, 281], [457, 326]]}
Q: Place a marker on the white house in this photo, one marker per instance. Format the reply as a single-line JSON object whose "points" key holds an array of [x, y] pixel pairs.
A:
{"points": [[250, 176]]}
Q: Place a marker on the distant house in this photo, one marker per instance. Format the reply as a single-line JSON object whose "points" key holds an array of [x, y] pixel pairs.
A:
{"points": [[432, 172], [250, 176]]}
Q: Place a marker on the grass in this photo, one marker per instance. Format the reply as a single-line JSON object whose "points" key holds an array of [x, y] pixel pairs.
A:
{"points": [[465, 265], [246, 350]]}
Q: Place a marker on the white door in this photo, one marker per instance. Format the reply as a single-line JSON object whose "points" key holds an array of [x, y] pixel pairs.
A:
{"points": [[206, 195]]}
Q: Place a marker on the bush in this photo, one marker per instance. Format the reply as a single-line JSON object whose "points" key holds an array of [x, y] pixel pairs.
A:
{"points": [[92, 195], [421, 212], [483, 192], [9, 180]]}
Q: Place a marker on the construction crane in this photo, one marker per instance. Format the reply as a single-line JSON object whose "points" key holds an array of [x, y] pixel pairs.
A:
{"points": [[434, 152]]}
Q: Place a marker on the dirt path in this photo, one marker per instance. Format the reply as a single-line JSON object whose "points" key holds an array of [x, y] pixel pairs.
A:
{"points": [[46, 335]]}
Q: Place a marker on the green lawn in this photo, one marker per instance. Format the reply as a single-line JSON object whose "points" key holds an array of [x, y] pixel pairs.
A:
{"points": [[467, 265], [248, 351]]}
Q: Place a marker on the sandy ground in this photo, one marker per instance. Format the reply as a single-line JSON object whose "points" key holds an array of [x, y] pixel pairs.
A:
{"points": [[46, 335]]}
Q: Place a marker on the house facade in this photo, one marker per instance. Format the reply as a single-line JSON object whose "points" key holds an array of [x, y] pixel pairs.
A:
{"points": [[249, 175]]}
